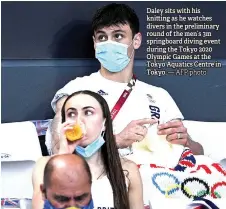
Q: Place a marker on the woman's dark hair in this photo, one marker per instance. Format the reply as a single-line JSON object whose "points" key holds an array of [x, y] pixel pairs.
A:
{"points": [[109, 153]]}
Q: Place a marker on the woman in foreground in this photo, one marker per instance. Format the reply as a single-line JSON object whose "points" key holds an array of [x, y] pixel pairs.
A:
{"points": [[118, 179]]}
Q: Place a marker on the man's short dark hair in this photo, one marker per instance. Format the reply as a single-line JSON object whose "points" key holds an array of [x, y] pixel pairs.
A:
{"points": [[49, 169], [115, 14]]}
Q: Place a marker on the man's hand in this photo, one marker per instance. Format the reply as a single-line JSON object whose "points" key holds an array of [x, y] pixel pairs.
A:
{"points": [[176, 133], [135, 131]]}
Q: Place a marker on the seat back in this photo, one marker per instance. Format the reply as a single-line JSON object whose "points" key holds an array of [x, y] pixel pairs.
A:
{"points": [[20, 149]]}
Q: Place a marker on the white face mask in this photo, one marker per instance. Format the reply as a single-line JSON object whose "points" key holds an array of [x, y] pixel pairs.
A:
{"points": [[113, 55], [92, 148], [48, 205]]}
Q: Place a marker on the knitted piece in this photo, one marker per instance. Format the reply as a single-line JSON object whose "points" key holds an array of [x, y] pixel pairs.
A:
{"points": [[187, 180], [186, 160], [202, 203]]}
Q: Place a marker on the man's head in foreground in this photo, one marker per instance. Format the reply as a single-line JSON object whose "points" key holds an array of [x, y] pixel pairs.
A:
{"points": [[67, 181]]}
